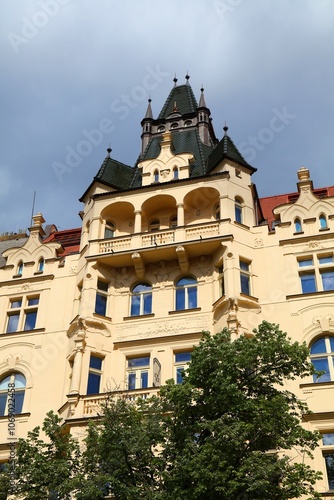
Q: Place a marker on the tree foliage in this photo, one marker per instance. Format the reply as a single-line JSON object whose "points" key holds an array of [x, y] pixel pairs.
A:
{"points": [[231, 430]]}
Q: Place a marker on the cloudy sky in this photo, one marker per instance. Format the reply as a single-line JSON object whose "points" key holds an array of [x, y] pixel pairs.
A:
{"points": [[76, 76]]}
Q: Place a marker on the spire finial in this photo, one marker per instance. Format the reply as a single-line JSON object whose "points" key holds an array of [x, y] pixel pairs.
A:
{"points": [[175, 108], [225, 128], [175, 80], [109, 150], [187, 77]]}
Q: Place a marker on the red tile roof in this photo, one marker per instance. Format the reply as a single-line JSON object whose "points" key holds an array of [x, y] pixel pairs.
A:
{"points": [[69, 239]]}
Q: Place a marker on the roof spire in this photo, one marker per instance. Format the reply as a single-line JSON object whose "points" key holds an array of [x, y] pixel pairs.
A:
{"points": [[187, 78], [202, 103], [149, 109], [175, 108], [225, 128], [175, 80], [109, 150]]}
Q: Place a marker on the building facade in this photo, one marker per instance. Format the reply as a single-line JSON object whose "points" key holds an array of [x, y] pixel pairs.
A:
{"points": [[177, 244]]}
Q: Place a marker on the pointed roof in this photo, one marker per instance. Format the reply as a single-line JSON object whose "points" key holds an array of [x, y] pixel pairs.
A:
{"points": [[226, 149], [202, 103], [185, 101], [149, 113]]}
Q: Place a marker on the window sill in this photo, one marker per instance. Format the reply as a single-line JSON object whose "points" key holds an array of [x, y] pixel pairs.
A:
{"points": [[309, 294], [179, 311], [18, 416], [126, 318], [315, 385], [96, 315], [324, 229], [20, 332], [298, 232]]}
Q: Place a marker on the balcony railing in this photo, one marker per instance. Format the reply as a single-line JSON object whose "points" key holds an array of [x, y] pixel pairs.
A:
{"points": [[158, 238]]}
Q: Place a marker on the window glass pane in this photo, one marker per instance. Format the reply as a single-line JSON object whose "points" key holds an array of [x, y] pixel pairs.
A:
{"points": [[326, 260], [319, 346], [328, 439], [308, 283], [322, 220], [41, 265], [30, 321], [238, 214], [93, 386], [20, 381], [131, 381], [329, 458], [179, 374], [143, 380], [138, 362], [16, 303], [13, 321], [19, 396], [182, 357], [244, 265], [147, 303], [305, 262], [298, 226], [142, 287], [192, 297], [101, 304], [135, 305], [331, 341], [321, 365], [180, 299], [33, 302], [3, 399], [186, 281], [327, 280], [244, 281], [95, 362], [102, 285]]}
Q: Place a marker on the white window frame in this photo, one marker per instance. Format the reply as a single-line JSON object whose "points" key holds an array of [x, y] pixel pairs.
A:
{"points": [[138, 371], [316, 268], [22, 311]]}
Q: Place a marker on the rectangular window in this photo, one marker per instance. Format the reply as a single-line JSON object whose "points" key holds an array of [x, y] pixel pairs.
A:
{"points": [[138, 372], [180, 361], [101, 298], [22, 314], [328, 441], [221, 281], [94, 374], [319, 276], [245, 277]]}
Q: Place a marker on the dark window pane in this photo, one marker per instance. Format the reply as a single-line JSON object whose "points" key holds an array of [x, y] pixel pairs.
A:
{"points": [[244, 282], [95, 362], [16, 303], [327, 280], [179, 374], [147, 303], [186, 281], [138, 362], [142, 287], [308, 283], [319, 346], [135, 305], [102, 285], [192, 297], [238, 214], [3, 399], [144, 380], [329, 458], [19, 396], [20, 381], [131, 381], [321, 365], [326, 260], [331, 341], [327, 439], [33, 302], [180, 299], [244, 265], [93, 386], [13, 321], [305, 262], [30, 321], [182, 357], [101, 304]]}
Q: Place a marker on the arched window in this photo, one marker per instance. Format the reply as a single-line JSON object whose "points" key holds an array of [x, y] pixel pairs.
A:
{"points": [[141, 300], [156, 176], [323, 221], [40, 267], [217, 212], [298, 225], [154, 225], [238, 210], [174, 125], [186, 293], [161, 128], [175, 173], [322, 356], [109, 230], [187, 123], [12, 388], [19, 269]]}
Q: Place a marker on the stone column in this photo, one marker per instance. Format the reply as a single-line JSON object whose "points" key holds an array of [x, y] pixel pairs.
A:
{"points": [[137, 228], [180, 214]]}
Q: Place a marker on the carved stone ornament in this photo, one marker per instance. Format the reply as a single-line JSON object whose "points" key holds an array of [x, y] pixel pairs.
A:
{"points": [[11, 360]]}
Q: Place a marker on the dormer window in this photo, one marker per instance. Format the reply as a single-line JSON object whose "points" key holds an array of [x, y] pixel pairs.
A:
{"points": [[175, 173], [187, 123], [174, 125], [298, 225], [156, 176], [161, 128], [323, 221]]}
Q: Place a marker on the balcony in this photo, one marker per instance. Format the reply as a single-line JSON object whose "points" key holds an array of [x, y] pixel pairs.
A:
{"points": [[198, 239]]}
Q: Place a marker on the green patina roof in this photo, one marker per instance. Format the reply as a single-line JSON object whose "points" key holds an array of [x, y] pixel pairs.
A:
{"points": [[185, 101], [226, 149], [114, 173]]}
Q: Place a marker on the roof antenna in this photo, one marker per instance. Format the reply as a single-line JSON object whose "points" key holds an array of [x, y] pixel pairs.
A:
{"points": [[33, 208], [225, 128], [109, 150], [187, 78], [175, 80]]}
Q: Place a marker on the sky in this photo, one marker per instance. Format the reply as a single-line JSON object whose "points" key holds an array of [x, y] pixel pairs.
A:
{"points": [[76, 76]]}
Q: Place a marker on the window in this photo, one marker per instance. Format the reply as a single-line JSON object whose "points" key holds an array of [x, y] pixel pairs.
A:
{"points": [[161, 128], [22, 314], [298, 226], [186, 293], [316, 273], [238, 210], [221, 281], [245, 277], [174, 125], [12, 389], [19, 269], [141, 300], [322, 355], [94, 374], [181, 359], [109, 230], [101, 298], [175, 173], [173, 222], [40, 267], [187, 123], [156, 176], [137, 372], [328, 442], [323, 221], [217, 212]]}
